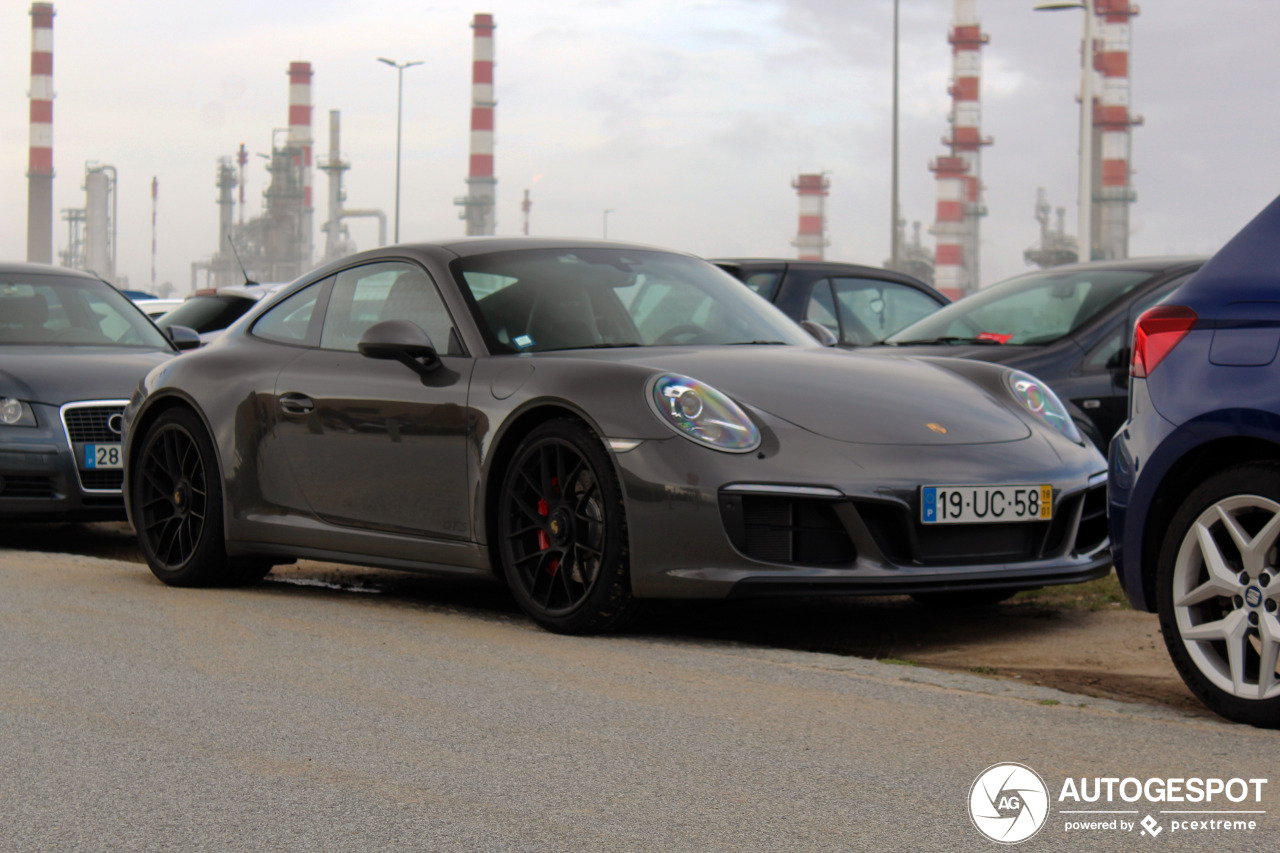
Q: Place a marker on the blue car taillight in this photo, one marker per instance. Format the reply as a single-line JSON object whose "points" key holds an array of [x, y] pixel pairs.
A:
{"points": [[1156, 333]]}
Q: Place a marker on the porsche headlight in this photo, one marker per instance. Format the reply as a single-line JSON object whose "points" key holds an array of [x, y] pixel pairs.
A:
{"points": [[1038, 399], [702, 414], [14, 412]]}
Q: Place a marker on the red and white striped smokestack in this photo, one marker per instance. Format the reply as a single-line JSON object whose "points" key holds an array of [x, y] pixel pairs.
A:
{"points": [[477, 205], [300, 137], [1112, 192], [40, 161], [959, 175], [811, 234]]}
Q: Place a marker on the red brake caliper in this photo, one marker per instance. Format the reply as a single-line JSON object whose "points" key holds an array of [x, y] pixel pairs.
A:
{"points": [[544, 541]]}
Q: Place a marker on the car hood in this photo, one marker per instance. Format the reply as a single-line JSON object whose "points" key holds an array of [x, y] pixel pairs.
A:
{"points": [[57, 375], [845, 396]]}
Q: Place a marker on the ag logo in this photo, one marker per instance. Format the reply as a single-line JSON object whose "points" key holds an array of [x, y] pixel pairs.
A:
{"points": [[1008, 803]]}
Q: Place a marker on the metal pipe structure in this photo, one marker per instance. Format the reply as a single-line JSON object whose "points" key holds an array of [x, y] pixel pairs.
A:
{"points": [[959, 174], [334, 247], [40, 159], [478, 204], [371, 213], [811, 233], [300, 138]]}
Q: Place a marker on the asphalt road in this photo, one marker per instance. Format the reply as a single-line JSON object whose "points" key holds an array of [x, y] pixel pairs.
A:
{"points": [[134, 716]]}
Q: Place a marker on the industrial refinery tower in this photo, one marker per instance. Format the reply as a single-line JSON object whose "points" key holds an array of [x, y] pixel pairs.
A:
{"points": [[477, 204], [300, 140], [1112, 191], [811, 231], [959, 175], [40, 160]]}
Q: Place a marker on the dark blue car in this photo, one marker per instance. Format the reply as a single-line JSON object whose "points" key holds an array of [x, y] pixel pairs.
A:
{"points": [[1194, 488]]}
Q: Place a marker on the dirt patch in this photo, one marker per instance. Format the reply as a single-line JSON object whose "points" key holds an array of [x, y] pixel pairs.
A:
{"points": [[1081, 639]]}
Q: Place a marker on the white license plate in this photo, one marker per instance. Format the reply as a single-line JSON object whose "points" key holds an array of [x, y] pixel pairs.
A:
{"points": [[985, 504], [102, 456]]}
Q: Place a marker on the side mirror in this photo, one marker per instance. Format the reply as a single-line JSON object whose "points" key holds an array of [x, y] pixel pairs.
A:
{"points": [[820, 333], [183, 337], [403, 341]]}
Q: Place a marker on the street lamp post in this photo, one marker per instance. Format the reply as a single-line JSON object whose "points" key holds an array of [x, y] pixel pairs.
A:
{"points": [[399, 67], [606, 222], [894, 248], [1085, 247]]}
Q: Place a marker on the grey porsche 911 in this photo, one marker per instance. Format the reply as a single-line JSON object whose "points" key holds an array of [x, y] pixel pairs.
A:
{"points": [[594, 424]]}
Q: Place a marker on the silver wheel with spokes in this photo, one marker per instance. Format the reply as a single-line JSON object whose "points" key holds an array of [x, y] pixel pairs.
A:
{"points": [[1225, 589], [1220, 591]]}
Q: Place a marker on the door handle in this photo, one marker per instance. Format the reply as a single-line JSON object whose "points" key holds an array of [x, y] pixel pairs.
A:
{"points": [[294, 403]]}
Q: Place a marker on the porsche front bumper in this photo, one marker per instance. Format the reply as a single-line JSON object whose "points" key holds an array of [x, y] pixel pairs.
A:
{"points": [[809, 515]]}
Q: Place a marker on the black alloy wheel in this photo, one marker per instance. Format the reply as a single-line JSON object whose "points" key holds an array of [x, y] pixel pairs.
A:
{"points": [[562, 531], [176, 497]]}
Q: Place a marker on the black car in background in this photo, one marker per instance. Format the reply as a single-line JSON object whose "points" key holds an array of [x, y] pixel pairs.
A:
{"points": [[1070, 326], [211, 310], [859, 305], [72, 350]]}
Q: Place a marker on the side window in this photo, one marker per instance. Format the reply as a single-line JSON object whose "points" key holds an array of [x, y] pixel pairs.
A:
{"points": [[1106, 355], [874, 309], [289, 322], [822, 307], [763, 283], [394, 290]]}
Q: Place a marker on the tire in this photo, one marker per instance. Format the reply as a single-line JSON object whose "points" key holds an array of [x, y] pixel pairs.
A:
{"points": [[176, 498], [1218, 590], [963, 598], [562, 532]]}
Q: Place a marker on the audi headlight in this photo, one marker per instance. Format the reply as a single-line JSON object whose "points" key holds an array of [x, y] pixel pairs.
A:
{"points": [[1038, 399], [16, 413], [702, 414]]}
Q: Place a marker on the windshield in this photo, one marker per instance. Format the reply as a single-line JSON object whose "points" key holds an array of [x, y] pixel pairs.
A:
{"points": [[71, 311], [535, 300], [1037, 308]]}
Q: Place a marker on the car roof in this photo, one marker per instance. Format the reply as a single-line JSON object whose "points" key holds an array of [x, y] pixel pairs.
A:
{"points": [[25, 268], [814, 266], [1154, 263]]}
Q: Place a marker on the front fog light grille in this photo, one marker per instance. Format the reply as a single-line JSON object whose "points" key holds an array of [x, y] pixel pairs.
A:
{"points": [[786, 529]]}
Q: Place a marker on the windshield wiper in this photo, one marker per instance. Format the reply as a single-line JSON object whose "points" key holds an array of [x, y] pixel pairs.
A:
{"points": [[757, 343], [950, 339]]}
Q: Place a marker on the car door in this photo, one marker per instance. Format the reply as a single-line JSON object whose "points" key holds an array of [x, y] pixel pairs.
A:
{"points": [[372, 443], [1100, 384]]}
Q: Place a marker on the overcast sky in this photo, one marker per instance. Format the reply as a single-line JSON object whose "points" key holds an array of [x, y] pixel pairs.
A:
{"points": [[687, 118]]}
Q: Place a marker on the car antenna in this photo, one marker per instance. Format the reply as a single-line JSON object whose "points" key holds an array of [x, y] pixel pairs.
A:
{"points": [[243, 271]]}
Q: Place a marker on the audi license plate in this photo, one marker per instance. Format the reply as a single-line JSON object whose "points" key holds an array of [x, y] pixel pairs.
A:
{"points": [[984, 504], [102, 456]]}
